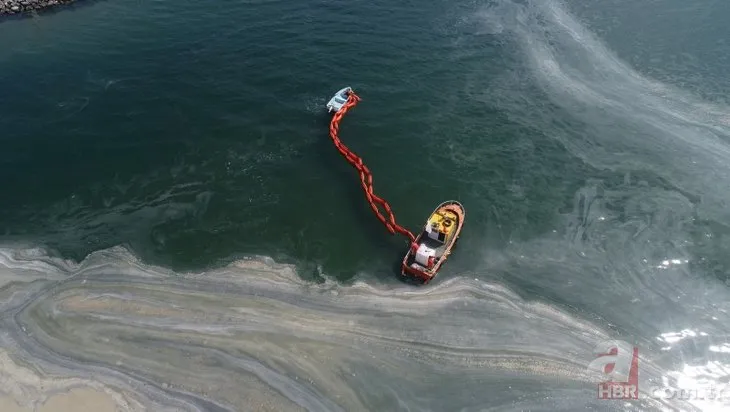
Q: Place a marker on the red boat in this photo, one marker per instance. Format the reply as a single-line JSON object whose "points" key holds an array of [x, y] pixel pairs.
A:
{"points": [[435, 243]]}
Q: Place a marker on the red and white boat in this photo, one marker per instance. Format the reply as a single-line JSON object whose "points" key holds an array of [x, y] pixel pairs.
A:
{"points": [[435, 243]]}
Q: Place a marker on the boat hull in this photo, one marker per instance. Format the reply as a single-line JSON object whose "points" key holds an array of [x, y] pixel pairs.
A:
{"points": [[410, 268]]}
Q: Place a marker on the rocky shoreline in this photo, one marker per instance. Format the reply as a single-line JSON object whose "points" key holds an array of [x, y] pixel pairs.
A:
{"points": [[22, 6]]}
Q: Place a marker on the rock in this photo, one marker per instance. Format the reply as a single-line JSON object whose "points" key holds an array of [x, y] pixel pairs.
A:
{"points": [[27, 6]]}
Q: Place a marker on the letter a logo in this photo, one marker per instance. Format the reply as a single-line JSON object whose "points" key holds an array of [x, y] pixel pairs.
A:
{"points": [[618, 362]]}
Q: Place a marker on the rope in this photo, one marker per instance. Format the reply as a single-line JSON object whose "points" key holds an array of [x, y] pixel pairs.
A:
{"points": [[366, 178]]}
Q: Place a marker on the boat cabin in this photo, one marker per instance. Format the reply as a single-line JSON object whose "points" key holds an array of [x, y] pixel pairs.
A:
{"points": [[438, 232], [441, 226]]}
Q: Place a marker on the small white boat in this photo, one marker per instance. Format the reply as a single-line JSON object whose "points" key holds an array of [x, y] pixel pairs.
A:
{"points": [[338, 100]]}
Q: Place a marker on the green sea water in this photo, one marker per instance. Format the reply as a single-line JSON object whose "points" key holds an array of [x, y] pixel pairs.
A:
{"points": [[204, 135], [587, 140]]}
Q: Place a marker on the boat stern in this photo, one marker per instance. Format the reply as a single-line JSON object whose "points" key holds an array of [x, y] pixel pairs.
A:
{"points": [[416, 271]]}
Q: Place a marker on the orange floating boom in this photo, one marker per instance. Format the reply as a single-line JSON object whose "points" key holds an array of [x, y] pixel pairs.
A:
{"points": [[366, 178]]}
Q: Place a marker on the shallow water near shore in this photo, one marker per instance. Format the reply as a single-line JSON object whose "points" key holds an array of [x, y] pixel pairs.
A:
{"points": [[180, 234]]}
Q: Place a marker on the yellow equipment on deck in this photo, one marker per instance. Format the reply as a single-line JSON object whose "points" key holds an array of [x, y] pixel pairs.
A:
{"points": [[441, 225]]}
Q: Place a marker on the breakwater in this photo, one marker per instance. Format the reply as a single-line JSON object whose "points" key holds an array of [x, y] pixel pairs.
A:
{"points": [[24, 6]]}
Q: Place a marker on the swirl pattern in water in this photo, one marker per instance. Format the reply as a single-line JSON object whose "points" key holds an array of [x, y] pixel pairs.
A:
{"points": [[252, 336]]}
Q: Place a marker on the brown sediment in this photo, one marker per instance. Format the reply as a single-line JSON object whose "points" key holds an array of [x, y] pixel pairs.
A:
{"points": [[25, 6], [75, 400], [25, 390], [254, 336]]}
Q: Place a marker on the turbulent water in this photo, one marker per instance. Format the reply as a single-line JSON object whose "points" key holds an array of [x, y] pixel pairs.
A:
{"points": [[595, 191]]}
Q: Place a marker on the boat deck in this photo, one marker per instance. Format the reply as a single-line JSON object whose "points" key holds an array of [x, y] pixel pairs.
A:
{"points": [[438, 247]]}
